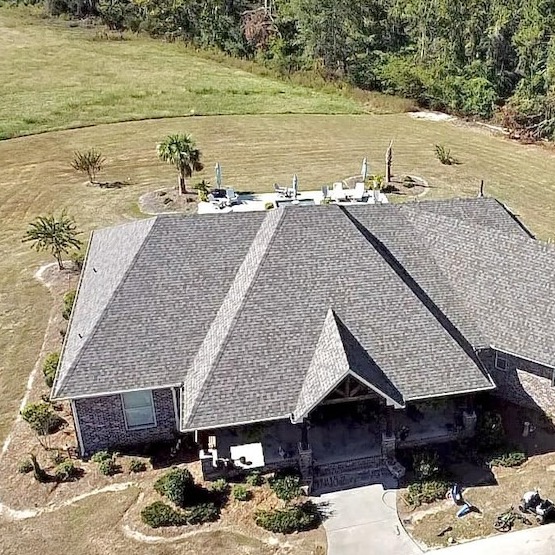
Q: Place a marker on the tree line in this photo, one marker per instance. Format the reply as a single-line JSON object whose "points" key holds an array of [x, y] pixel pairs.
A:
{"points": [[470, 57]]}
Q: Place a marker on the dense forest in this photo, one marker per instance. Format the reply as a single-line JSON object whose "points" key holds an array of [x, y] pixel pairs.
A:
{"points": [[470, 57]]}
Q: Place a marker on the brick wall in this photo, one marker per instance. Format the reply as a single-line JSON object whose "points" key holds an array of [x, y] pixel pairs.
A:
{"points": [[525, 383], [102, 422]]}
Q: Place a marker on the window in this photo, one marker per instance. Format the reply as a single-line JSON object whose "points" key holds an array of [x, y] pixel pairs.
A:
{"points": [[501, 361], [138, 408]]}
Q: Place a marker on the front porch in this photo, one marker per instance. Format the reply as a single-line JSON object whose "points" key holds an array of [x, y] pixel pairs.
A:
{"points": [[344, 442]]}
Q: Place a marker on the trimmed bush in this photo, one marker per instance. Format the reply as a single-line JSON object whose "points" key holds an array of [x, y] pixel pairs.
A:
{"points": [[507, 459], [219, 486], [426, 492], [159, 514], [241, 493], [41, 418], [77, 259], [49, 367], [25, 466], [66, 471], [296, 518], [426, 465], [178, 486], [255, 479], [69, 298], [204, 512], [136, 465], [269, 205], [101, 456], [108, 467], [286, 488]]}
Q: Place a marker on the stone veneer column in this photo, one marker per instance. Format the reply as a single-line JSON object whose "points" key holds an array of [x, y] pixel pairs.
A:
{"points": [[469, 423], [305, 464]]}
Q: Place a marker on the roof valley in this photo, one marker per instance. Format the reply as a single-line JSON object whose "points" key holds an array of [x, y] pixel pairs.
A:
{"points": [[214, 341]]}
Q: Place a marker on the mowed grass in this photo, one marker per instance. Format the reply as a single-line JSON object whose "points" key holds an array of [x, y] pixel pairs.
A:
{"points": [[255, 152], [53, 76]]}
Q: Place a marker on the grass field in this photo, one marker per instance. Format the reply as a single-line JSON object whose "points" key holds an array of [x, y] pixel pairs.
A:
{"points": [[55, 76]]}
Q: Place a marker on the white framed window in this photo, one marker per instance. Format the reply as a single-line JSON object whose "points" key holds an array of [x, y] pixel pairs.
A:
{"points": [[138, 409], [501, 361]]}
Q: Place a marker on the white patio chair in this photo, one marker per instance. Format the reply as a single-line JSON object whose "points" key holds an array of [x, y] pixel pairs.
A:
{"points": [[280, 190], [358, 192], [231, 196]]}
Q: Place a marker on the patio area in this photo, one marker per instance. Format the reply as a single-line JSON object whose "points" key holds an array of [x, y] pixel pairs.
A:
{"points": [[257, 202]]}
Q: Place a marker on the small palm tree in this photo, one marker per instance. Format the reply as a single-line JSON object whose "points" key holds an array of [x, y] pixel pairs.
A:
{"points": [[89, 162], [181, 152], [57, 235]]}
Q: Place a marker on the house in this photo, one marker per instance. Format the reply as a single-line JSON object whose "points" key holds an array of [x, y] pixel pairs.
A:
{"points": [[314, 336]]}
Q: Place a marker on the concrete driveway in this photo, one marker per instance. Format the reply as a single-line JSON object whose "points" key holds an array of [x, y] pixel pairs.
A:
{"points": [[363, 521]]}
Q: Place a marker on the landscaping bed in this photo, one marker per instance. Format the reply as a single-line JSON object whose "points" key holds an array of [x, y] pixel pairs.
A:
{"points": [[491, 483], [168, 200]]}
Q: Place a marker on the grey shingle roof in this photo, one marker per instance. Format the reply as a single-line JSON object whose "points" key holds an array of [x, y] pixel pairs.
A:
{"points": [[236, 307]]}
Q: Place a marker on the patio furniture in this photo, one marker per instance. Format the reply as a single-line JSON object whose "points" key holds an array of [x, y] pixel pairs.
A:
{"points": [[217, 199], [231, 196], [284, 191], [338, 193], [325, 191], [358, 193]]}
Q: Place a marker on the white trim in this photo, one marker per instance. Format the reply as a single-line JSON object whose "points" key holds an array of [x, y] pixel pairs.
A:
{"points": [[145, 426], [376, 390], [119, 392], [501, 356], [80, 443], [522, 357], [230, 424]]}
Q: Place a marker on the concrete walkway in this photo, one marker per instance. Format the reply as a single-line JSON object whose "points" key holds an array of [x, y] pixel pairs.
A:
{"points": [[539, 540], [363, 521]]}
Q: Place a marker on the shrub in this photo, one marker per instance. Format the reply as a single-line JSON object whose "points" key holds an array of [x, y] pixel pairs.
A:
{"points": [[443, 154], [219, 486], [66, 471], [69, 298], [25, 466], [41, 418], [159, 514], [89, 162], [101, 456], [49, 367], [241, 493], [177, 485], [39, 474], [296, 518], [269, 205], [426, 465], [78, 259], [426, 492], [204, 512], [57, 457], [508, 459], [136, 465], [490, 434], [108, 467], [286, 487], [255, 479]]}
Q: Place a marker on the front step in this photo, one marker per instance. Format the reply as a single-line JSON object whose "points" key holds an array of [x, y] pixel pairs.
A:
{"points": [[364, 463], [348, 480]]}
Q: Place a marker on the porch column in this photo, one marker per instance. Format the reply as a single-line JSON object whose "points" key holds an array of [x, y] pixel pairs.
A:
{"points": [[388, 437], [305, 457]]}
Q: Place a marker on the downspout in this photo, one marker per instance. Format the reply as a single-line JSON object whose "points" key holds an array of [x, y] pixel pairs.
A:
{"points": [[77, 429]]}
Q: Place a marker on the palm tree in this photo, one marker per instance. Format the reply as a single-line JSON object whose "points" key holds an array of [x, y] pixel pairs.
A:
{"points": [[57, 235], [181, 152]]}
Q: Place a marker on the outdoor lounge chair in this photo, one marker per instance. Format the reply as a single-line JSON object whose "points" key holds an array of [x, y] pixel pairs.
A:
{"points": [[219, 202], [281, 190], [232, 197], [338, 193]]}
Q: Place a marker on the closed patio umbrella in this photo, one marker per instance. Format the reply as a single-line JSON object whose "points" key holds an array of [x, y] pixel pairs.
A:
{"points": [[364, 170], [218, 169], [295, 186]]}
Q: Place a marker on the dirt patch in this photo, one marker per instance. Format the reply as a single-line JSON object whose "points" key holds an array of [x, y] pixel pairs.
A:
{"points": [[167, 201]]}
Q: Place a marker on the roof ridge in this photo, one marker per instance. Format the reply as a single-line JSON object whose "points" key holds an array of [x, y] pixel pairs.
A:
{"points": [[62, 378], [217, 335]]}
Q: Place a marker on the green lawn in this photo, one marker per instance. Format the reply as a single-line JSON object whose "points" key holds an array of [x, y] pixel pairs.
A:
{"points": [[54, 76]]}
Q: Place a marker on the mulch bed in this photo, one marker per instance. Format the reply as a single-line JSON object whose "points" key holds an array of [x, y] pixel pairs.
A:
{"points": [[167, 201]]}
